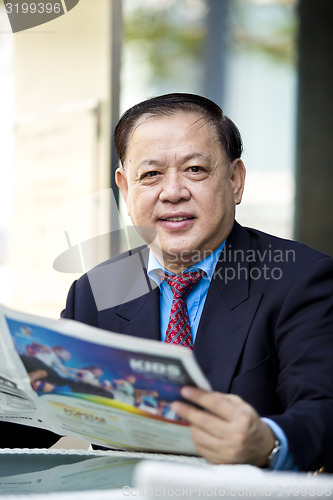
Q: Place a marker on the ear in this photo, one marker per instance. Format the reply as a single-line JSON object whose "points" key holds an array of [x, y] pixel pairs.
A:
{"points": [[237, 176], [121, 181]]}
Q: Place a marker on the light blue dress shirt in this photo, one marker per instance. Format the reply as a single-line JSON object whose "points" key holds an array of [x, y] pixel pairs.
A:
{"points": [[195, 299]]}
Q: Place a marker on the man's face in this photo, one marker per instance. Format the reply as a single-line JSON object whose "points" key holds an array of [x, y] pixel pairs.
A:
{"points": [[176, 180]]}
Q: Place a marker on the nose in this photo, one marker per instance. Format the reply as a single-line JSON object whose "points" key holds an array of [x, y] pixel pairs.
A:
{"points": [[174, 189]]}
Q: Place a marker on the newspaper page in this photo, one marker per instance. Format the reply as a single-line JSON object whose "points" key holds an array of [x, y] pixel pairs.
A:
{"points": [[108, 389]]}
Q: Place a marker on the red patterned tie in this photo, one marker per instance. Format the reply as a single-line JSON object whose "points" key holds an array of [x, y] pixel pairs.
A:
{"points": [[179, 328]]}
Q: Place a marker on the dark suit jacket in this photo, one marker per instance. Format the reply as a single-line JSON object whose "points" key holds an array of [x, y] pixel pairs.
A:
{"points": [[266, 331]]}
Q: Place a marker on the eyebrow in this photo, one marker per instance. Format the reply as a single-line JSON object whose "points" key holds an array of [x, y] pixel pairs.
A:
{"points": [[149, 162], [183, 159], [194, 156]]}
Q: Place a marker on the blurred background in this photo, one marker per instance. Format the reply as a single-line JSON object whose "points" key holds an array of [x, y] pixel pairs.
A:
{"points": [[64, 84]]}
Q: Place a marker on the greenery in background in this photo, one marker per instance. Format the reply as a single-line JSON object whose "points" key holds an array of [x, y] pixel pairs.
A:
{"points": [[265, 27], [167, 31]]}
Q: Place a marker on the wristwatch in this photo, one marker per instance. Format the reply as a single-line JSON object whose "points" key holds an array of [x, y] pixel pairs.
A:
{"points": [[273, 456]]}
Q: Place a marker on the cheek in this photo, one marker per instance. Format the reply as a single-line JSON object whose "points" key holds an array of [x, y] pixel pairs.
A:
{"points": [[131, 204], [212, 201], [217, 208], [140, 204], [128, 205], [223, 197]]}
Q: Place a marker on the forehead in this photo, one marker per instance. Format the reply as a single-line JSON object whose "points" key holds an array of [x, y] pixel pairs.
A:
{"points": [[193, 120], [178, 131]]}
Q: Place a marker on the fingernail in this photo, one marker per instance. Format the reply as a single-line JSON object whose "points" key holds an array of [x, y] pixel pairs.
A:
{"points": [[187, 392], [175, 407]]}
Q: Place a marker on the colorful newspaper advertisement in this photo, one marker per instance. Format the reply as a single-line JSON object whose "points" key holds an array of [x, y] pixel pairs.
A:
{"points": [[108, 389]]}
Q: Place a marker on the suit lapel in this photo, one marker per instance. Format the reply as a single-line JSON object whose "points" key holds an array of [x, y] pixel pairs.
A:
{"points": [[227, 314], [139, 317], [142, 317]]}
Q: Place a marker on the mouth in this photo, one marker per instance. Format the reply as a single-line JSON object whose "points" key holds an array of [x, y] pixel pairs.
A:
{"points": [[176, 219], [176, 216], [177, 222]]}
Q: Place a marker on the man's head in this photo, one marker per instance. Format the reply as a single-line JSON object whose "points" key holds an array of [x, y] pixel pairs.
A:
{"points": [[181, 174], [226, 131]]}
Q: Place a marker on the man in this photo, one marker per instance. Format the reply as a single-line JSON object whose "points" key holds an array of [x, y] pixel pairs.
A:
{"points": [[259, 310], [261, 315]]}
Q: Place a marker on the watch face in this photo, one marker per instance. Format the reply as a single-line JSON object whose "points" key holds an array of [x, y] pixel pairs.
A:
{"points": [[274, 454]]}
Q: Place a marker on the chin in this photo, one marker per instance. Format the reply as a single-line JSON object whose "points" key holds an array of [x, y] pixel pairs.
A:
{"points": [[183, 255]]}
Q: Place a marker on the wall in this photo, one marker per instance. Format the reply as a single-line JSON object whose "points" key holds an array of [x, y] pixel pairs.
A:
{"points": [[62, 99]]}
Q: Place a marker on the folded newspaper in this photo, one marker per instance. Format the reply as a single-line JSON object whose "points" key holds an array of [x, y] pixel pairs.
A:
{"points": [[105, 388]]}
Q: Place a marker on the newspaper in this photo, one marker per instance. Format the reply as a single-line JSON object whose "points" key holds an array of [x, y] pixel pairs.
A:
{"points": [[105, 388]]}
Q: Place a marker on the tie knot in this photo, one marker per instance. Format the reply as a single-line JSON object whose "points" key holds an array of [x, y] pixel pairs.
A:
{"points": [[181, 284]]}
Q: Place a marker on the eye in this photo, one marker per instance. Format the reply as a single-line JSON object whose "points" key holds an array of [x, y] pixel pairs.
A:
{"points": [[196, 172], [149, 175], [195, 169]]}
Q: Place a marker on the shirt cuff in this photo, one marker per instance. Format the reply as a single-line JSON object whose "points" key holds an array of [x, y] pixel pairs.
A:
{"points": [[284, 460]]}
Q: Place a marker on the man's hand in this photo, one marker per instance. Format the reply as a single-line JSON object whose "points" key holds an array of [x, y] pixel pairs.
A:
{"points": [[227, 430]]}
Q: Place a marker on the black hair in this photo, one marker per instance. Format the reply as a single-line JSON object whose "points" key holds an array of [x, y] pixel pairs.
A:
{"points": [[226, 131]]}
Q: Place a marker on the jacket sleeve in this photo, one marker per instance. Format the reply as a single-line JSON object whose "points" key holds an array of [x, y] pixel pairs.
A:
{"points": [[21, 436], [80, 303], [304, 343]]}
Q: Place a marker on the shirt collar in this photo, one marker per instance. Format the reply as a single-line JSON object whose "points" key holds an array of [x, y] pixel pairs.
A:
{"points": [[208, 265]]}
